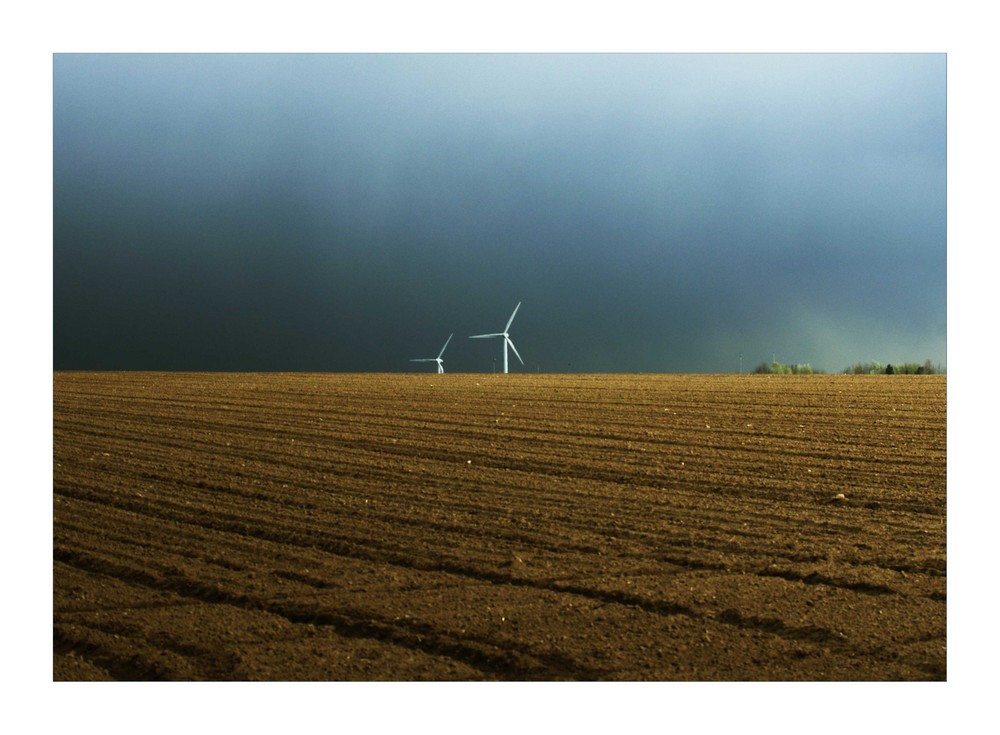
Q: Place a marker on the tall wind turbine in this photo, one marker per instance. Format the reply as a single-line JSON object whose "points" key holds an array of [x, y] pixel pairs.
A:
{"points": [[506, 338], [437, 359]]}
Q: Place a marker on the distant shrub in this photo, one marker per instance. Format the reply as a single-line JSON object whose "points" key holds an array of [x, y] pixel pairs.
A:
{"points": [[865, 368], [777, 368]]}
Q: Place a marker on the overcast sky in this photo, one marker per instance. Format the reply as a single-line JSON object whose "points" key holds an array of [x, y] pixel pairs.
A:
{"points": [[654, 213]]}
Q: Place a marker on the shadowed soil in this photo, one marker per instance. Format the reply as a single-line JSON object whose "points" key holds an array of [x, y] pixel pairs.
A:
{"points": [[481, 527]]}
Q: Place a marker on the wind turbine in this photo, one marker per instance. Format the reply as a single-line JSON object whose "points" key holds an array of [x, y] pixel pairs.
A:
{"points": [[506, 338], [437, 359]]}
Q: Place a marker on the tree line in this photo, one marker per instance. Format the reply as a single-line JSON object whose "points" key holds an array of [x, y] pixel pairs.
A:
{"points": [[899, 368], [861, 368]]}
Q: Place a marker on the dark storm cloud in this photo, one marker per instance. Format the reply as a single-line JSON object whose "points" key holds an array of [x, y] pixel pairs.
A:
{"points": [[653, 212]]}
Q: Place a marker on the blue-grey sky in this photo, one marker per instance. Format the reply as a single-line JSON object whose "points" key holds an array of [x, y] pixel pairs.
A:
{"points": [[652, 212]]}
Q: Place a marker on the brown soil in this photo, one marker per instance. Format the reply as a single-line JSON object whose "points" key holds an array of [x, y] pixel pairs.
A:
{"points": [[480, 527]]}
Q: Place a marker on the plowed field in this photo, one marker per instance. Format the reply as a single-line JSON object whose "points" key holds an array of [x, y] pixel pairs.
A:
{"points": [[481, 527]]}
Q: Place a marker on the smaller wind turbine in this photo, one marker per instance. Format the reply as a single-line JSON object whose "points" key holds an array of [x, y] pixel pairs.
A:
{"points": [[437, 359], [506, 338]]}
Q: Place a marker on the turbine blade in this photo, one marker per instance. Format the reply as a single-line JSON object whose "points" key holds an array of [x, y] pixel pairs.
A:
{"points": [[480, 336], [514, 348], [445, 345], [507, 328], [423, 359]]}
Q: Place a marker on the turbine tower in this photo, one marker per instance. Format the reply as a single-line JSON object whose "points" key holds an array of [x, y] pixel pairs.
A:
{"points": [[437, 359], [506, 338]]}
